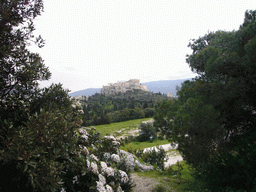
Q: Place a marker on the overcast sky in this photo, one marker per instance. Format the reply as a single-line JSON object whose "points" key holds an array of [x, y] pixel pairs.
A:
{"points": [[90, 43]]}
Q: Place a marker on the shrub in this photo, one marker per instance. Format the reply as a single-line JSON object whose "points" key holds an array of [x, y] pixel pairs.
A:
{"points": [[137, 152], [160, 137], [50, 153], [37, 147], [147, 130], [155, 157], [149, 112], [105, 151], [175, 171]]}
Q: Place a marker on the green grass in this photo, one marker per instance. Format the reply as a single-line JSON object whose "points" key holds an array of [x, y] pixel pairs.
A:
{"points": [[112, 127], [169, 182], [143, 145]]}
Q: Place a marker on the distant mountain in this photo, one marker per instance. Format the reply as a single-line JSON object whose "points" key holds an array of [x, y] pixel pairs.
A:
{"points": [[85, 92], [164, 87]]}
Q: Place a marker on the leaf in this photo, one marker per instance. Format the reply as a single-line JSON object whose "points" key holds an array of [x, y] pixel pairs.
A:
{"points": [[26, 168]]}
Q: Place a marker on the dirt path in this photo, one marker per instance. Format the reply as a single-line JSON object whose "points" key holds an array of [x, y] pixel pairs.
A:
{"points": [[143, 184]]}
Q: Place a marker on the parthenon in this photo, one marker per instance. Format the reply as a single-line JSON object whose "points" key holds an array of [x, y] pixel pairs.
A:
{"points": [[122, 87]]}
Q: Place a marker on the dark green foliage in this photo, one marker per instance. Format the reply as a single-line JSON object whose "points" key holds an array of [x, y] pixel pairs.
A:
{"points": [[171, 171], [84, 181], [146, 131], [164, 114], [13, 178], [160, 137], [215, 119], [19, 68], [226, 64], [37, 147], [51, 97], [234, 169], [40, 147], [155, 157], [194, 128], [149, 112], [126, 114], [101, 109], [19, 71]]}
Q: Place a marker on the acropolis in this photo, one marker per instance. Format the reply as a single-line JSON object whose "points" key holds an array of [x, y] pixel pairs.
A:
{"points": [[122, 87]]}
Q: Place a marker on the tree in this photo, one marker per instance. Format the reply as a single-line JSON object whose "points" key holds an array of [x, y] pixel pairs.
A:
{"points": [[147, 130], [20, 69], [41, 145], [36, 125], [164, 115], [216, 119], [225, 62], [195, 126]]}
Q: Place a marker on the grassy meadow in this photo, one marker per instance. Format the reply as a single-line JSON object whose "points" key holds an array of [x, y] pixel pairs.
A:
{"points": [[144, 144], [176, 178], [123, 127]]}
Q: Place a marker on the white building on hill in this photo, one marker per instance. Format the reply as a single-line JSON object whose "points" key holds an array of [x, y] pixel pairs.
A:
{"points": [[122, 87]]}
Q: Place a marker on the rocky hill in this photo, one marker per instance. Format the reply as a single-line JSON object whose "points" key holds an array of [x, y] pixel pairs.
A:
{"points": [[122, 87], [164, 87]]}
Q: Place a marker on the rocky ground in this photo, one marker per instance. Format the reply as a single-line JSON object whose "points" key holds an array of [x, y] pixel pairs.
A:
{"points": [[147, 184]]}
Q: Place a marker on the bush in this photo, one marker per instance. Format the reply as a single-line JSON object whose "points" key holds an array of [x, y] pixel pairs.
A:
{"points": [[155, 157], [147, 130], [98, 166], [149, 112], [160, 137], [37, 145], [171, 171], [126, 114], [50, 153], [136, 113]]}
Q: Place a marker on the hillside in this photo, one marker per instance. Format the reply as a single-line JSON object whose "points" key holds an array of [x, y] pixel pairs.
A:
{"points": [[164, 87], [103, 109], [85, 92]]}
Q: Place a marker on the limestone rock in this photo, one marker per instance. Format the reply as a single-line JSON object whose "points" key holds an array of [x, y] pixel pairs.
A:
{"points": [[132, 160], [122, 87]]}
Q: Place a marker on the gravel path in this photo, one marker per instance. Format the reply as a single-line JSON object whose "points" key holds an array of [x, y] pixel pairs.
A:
{"points": [[143, 184]]}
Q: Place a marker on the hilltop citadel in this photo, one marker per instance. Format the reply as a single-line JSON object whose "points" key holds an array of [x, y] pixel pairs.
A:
{"points": [[122, 87]]}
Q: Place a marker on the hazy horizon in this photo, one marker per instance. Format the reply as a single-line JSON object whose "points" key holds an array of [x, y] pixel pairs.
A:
{"points": [[93, 43]]}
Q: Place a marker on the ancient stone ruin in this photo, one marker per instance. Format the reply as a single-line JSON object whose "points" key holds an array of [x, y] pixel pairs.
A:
{"points": [[122, 87]]}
